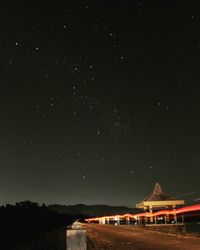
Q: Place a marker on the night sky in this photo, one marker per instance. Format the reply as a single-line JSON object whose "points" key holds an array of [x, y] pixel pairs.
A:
{"points": [[98, 100]]}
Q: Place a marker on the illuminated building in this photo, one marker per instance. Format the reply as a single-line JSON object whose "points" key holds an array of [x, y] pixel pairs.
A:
{"points": [[158, 200]]}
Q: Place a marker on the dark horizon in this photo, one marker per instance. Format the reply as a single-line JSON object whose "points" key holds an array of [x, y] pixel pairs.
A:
{"points": [[99, 100]]}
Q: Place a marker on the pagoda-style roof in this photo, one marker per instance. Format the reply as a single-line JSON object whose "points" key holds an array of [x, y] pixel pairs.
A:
{"points": [[158, 194], [158, 199]]}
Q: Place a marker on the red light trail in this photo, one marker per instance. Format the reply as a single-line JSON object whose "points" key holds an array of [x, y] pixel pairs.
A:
{"points": [[182, 210]]}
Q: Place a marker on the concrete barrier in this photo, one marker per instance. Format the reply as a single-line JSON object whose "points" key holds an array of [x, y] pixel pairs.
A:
{"points": [[76, 237]]}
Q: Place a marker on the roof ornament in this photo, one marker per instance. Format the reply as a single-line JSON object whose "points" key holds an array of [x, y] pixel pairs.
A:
{"points": [[158, 194]]}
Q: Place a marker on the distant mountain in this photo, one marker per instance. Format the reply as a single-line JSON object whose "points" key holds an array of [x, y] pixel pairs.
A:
{"points": [[92, 210], [190, 198]]}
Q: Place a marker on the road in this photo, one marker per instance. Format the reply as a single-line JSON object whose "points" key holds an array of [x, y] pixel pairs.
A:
{"points": [[109, 237]]}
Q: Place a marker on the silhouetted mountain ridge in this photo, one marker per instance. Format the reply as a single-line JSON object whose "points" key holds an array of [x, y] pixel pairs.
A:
{"points": [[92, 210]]}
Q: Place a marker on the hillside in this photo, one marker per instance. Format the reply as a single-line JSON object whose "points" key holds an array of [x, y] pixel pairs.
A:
{"points": [[92, 210]]}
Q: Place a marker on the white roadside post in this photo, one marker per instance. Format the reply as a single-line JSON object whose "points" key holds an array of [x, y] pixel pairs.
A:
{"points": [[76, 237]]}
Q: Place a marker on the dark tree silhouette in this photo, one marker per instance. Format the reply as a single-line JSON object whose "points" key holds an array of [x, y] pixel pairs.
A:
{"points": [[25, 220]]}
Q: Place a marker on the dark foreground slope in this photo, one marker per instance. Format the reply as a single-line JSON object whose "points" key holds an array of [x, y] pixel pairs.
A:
{"points": [[27, 221], [53, 240]]}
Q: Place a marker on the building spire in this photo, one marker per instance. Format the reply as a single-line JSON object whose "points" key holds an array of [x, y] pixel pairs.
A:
{"points": [[157, 189]]}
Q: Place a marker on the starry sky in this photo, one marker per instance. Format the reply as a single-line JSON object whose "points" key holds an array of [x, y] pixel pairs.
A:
{"points": [[98, 100]]}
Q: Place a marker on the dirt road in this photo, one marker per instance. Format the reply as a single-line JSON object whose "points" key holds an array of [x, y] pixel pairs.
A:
{"points": [[109, 237]]}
